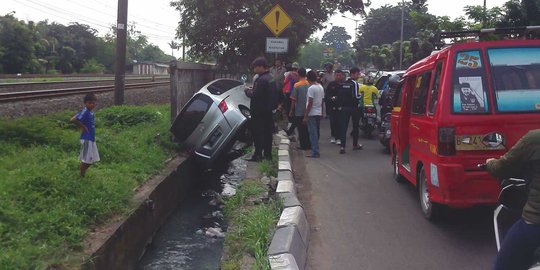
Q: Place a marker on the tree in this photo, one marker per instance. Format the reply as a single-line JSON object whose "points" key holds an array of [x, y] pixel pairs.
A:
{"points": [[311, 54], [17, 46], [235, 39], [174, 46], [382, 26], [483, 19], [337, 38]]}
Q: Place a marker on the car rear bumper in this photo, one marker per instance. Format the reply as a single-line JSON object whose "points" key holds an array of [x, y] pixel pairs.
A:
{"points": [[207, 158], [459, 188]]}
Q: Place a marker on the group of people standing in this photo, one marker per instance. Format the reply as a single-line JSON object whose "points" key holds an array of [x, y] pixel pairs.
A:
{"points": [[302, 95]]}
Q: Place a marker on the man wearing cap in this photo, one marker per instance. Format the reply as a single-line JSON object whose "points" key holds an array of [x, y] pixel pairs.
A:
{"points": [[469, 102], [262, 123]]}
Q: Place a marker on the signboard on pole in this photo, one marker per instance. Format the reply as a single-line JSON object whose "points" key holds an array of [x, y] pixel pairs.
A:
{"points": [[277, 20], [277, 45]]}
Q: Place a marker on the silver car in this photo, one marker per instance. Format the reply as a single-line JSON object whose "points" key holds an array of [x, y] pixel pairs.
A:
{"points": [[213, 119]]}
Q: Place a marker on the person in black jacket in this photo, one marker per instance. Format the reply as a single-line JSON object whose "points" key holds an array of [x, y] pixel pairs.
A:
{"points": [[262, 123], [330, 96], [349, 103]]}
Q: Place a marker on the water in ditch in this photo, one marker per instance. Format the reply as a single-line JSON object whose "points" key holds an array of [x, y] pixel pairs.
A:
{"points": [[184, 241]]}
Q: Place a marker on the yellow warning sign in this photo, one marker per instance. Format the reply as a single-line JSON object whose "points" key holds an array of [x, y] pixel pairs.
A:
{"points": [[277, 20]]}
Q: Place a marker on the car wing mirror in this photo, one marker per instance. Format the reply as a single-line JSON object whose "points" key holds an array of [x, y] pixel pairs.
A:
{"points": [[244, 78]]}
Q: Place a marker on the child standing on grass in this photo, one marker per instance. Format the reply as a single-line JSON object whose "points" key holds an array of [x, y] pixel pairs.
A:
{"points": [[85, 121]]}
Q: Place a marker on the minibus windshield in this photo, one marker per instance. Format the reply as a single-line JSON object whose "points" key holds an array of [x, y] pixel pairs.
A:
{"points": [[516, 78]]}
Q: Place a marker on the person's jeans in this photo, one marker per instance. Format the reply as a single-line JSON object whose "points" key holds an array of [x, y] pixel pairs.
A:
{"points": [[314, 123], [518, 246], [346, 114]]}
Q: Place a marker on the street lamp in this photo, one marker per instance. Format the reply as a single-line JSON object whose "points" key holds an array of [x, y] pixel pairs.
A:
{"points": [[355, 28]]}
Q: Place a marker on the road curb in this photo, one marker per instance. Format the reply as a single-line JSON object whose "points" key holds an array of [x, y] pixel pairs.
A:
{"points": [[288, 249]]}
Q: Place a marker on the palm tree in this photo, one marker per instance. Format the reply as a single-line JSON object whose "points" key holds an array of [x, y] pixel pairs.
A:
{"points": [[174, 46]]}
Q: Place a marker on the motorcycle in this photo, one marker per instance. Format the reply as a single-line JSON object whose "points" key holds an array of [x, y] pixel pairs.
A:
{"points": [[384, 131], [369, 121], [512, 199]]}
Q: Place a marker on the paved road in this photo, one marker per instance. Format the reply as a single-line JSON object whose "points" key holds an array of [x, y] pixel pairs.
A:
{"points": [[362, 219]]}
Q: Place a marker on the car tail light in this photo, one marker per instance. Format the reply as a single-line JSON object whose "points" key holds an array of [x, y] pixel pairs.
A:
{"points": [[223, 106], [447, 145]]}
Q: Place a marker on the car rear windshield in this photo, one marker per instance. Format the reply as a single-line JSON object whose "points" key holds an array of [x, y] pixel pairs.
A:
{"points": [[469, 84], [516, 78], [221, 86], [190, 117]]}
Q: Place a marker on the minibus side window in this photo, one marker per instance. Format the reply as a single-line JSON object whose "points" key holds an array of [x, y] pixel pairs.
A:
{"points": [[420, 93], [434, 96], [469, 84]]}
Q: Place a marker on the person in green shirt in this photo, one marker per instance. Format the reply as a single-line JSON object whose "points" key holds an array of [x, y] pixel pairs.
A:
{"points": [[523, 160]]}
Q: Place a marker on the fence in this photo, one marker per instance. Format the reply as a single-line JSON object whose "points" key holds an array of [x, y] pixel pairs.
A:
{"points": [[188, 78]]}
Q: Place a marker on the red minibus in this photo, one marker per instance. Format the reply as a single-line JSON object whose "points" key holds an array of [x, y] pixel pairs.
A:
{"points": [[458, 107]]}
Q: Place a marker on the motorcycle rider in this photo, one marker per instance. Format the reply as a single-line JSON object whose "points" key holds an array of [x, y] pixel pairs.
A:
{"points": [[520, 242], [369, 91], [385, 101]]}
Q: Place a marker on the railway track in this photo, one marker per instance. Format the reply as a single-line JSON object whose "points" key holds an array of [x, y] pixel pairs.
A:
{"points": [[41, 94]]}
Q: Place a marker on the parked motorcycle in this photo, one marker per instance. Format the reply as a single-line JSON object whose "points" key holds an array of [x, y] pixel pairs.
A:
{"points": [[384, 131], [512, 199], [369, 121]]}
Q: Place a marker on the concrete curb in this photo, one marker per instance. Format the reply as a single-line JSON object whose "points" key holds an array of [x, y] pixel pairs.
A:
{"points": [[288, 249]]}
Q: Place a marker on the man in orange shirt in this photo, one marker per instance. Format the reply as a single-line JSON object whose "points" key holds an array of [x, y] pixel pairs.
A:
{"points": [[298, 107]]}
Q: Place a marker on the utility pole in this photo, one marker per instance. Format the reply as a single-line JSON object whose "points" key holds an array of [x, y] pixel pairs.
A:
{"points": [[121, 37], [485, 15], [401, 39]]}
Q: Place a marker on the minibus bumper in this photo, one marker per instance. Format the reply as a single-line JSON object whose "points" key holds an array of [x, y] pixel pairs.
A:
{"points": [[462, 189]]}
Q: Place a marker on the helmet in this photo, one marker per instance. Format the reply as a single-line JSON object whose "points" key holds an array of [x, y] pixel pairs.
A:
{"points": [[295, 65], [393, 81]]}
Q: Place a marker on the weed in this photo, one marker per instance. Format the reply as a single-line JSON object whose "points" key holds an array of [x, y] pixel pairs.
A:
{"points": [[270, 167], [252, 225]]}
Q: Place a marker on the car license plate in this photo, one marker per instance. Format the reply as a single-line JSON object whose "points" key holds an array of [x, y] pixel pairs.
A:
{"points": [[473, 143]]}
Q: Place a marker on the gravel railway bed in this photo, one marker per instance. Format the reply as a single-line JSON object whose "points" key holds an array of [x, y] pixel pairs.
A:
{"points": [[154, 95], [35, 86]]}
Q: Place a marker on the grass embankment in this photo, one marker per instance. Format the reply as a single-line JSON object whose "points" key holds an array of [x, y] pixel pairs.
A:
{"points": [[46, 209], [252, 221]]}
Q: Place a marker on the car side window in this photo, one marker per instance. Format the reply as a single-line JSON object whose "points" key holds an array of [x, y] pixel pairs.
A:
{"points": [[420, 93], [434, 95]]}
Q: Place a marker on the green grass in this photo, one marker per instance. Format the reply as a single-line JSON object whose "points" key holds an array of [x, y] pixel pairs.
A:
{"points": [[251, 225], [270, 167], [46, 209]]}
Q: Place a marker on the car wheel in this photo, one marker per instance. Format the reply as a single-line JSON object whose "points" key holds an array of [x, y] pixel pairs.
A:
{"points": [[395, 165], [432, 211]]}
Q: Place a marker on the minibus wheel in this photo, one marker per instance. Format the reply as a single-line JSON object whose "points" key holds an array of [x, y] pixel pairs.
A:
{"points": [[431, 210], [395, 168]]}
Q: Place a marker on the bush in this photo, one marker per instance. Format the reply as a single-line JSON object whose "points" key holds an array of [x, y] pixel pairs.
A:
{"points": [[92, 66], [128, 116]]}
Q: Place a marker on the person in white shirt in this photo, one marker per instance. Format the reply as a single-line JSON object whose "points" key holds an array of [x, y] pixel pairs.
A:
{"points": [[313, 113]]}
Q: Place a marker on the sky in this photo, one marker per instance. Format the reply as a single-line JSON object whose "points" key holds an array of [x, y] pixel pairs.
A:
{"points": [[158, 21]]}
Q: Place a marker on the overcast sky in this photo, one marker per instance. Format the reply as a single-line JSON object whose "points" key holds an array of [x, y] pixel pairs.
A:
{"points": [[157, 20]]}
